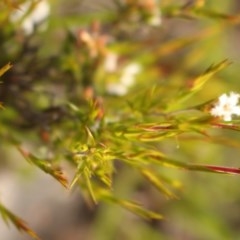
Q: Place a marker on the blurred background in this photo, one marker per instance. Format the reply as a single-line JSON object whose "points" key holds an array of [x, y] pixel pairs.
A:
{"points": [[172, 42]]}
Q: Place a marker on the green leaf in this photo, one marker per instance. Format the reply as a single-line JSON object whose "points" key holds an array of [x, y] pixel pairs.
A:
{"points": [[46, 166], [152, 178], [167, 162], [76, 177], [5, 69], [198, 84], [214, 15], [171, 47], [91, 139], [202, 79], [226, 126], [8, 216], [130, 205], [87, 178]]}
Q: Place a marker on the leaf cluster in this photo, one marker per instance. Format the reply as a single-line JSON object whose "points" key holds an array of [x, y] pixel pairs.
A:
{"points": [[57, 98]]}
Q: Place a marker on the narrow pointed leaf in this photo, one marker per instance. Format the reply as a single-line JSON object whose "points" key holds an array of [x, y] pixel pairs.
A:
{"points": [[198, 84], [193, 167], [202, 79], [90, 136], [226, 126], [221, 169], [89, 186], [211, 14], [157, 183], [5, 69], [8, 216], [131, 206], [78, 174], [46, 166]]}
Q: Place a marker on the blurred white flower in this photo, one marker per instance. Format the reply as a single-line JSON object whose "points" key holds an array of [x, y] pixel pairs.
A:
{"points": [[117, 89], [127, 79], [155, 19], [226, 106], [129, 74], [36, 15], [132, 68], [110, 63]]}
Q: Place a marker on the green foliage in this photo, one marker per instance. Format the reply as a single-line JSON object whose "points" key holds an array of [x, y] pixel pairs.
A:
{"points": [[62, 103], [18, 222], [5, 68]]}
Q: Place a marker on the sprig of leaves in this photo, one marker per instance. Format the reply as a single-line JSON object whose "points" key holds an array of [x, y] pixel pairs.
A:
{"points": [[8, 216], [46, 166]]}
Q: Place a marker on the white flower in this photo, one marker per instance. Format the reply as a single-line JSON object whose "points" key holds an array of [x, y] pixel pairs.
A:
{"points": [[132, 69], [110, 63], [226, 106], [127, 79], [129, 74], [155, 19], [36, 16], [117, 89]]}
